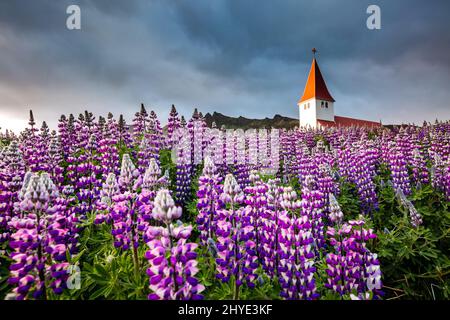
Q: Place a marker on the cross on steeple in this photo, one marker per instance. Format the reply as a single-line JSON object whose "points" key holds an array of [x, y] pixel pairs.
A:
{"points": [[314, 50]]}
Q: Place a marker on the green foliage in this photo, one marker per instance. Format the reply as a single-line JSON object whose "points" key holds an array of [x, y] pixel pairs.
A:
{"points": [[4, 272], [348, 200], [106, 272], [414, 261]]}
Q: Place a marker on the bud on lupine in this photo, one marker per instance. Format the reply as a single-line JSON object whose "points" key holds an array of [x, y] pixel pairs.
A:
{"points": [[164, 207], [110, 188], [231, 190], [151, 175], [36, 195], [336, 216], [128, 173]]}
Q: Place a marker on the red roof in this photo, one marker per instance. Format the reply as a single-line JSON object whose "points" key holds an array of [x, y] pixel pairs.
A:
{"points": [[348, 122], [315, 85]]}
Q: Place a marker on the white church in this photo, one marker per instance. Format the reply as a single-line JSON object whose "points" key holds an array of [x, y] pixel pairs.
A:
{"points": [[316, 106]]}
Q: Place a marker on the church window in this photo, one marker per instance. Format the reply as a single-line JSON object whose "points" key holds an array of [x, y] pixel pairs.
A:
{"points": [[321, 104], [326, 105]]}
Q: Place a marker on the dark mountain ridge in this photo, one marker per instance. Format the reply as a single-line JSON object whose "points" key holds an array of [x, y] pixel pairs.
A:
{"points": [[277, 121]]}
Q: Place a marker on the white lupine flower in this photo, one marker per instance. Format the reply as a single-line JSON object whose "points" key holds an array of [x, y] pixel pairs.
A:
{"points": [[151, 175], [110, 188], [127, 171], [336, 214], [165, 209], [231, 189], [209, 169]]}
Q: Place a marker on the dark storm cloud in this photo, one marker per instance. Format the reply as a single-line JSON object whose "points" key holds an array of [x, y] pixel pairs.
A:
{"points": [[247, 58]]}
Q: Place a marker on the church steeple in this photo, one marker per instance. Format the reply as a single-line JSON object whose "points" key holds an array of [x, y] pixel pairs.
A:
{"points": [[316, 106], [315, 85]]}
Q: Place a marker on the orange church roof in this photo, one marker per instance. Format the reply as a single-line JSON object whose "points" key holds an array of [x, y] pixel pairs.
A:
{"points": [[315, 85], [348, 122]]}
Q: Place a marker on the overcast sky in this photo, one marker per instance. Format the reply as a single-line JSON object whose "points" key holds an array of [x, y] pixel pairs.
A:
{"points": [[248, 58]]}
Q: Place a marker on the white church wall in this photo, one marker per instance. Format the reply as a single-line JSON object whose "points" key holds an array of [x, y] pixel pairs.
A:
{"points": [[308, 116], [324, 113]]}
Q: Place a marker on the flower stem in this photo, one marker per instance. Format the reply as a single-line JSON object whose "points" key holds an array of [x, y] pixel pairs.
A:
{"points": [[40, 259]]}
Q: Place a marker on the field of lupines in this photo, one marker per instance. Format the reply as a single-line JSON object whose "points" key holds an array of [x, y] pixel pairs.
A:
{"points": [[102, 210]]}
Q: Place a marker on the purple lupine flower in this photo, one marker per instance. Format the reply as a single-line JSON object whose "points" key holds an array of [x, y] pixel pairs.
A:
{"points": [[373, 273], [261, 220], [63, 235], [28, 140], [151, 143], [123, 211], [344, 154], [263, 150], [404, 145], [109, 157], [415, 217], [11, 174], [313, 203], [447, 182], [274, 145], [279, 199], [43, 236], [124, 138], [326, 185], [215, 147], [399, 171], [184, 168], [128, 174], [306, 165], [209, 189], [130, 212], [140, 123], [151, 176], [173, 124], [286, 148], [236, 248], [87, 185], [419, 168], [195, 131], [352, 269], [110, 188], [361, 175], [85, 128], [41, 149], [171, 257], [156, 134], [335, 215], [438, 173], [241, 167], [54, 159], [66, 132], [262, 201], [296, 266]]}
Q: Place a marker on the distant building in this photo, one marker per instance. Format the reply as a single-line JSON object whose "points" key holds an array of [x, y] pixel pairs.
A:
{"points": [[316, 106]]}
